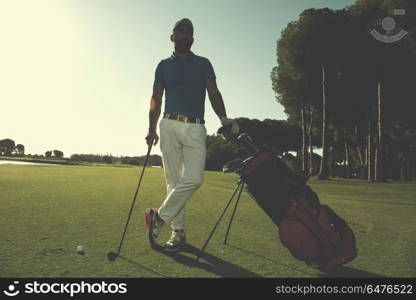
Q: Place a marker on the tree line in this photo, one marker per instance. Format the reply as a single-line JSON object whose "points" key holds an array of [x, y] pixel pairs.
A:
{"points": [[350, 93], [8, 147], [279, 136], [154, 160]]}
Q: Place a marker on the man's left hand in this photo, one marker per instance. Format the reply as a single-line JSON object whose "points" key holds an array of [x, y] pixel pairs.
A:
{"points": [[227, 122]]}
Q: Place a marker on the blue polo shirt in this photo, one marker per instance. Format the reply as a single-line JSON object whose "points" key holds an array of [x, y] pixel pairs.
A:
{"points": [[184, 82]]}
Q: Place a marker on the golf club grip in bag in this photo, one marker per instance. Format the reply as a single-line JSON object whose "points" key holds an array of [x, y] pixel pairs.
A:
{"points": [[312, 232]]}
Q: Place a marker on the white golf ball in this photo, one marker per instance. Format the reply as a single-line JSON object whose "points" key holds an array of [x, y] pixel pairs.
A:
{"points": [[80, 249]]}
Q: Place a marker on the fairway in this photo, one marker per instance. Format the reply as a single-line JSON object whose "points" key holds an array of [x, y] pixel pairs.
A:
{"points": [[47, 211]]}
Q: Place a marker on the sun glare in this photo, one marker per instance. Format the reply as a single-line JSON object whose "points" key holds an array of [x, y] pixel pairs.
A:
{"points": [[40, 50]]}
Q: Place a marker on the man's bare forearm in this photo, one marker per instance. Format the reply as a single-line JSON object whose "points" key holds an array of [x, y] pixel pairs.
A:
{"points": [[217, 104], [154, 113]]}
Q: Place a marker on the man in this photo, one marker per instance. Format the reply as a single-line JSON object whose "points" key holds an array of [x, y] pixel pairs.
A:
{"points": [[185, 77]]}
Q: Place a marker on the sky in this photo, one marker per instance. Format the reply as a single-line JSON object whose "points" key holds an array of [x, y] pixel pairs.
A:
{"points": [[77, 75]]}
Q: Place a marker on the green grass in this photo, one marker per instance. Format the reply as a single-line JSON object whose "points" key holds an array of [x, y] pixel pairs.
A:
{"points": [[46, 211]]}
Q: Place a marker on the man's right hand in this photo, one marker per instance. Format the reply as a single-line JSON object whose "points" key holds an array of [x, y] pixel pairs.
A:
{"points": [[152, 138]]}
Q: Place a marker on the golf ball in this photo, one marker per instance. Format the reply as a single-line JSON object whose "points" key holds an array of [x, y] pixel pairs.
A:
{"points": [[80, 249]]}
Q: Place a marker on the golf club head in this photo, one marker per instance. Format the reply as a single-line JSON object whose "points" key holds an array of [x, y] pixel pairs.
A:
{"points": [[244, 137], [112, 256], [247, 141], [232, 166]]}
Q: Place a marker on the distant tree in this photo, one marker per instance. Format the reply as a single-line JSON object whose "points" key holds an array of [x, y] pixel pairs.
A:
{"points": [[219, 152], [308, 55], [155, 160], [75, 157], [6, 147], [108, 159], [58, 154], [127, 160], [20, 149], [48, 153]]}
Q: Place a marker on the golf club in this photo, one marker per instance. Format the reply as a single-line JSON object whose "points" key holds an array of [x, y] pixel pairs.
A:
{"points": [[112, 256]]}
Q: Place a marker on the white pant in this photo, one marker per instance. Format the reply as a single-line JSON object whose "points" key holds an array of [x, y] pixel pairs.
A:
{"points": [[183, 147]]}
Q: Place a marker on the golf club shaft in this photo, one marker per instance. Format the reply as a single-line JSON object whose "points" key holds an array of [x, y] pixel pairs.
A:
{"points": [[134, 199], [218, 221]]}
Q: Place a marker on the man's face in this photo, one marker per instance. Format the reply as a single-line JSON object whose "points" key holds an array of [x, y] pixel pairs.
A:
{"points": [[183, 39]]}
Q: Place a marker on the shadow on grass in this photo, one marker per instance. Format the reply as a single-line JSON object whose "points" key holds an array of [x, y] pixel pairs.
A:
{"points": [[141, 266], [349, 272], [341, 272], [271, 260], [215, 265], [378, 202]]}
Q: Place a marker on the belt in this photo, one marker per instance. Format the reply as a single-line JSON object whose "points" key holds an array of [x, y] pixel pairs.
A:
{"points": [[184, 119]]}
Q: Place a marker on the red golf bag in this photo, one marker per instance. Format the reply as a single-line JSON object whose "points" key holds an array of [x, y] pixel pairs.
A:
{"points": [[312, 232]]}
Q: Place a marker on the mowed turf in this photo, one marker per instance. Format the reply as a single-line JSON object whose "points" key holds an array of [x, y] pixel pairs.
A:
{"points": [[47, 211]]}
